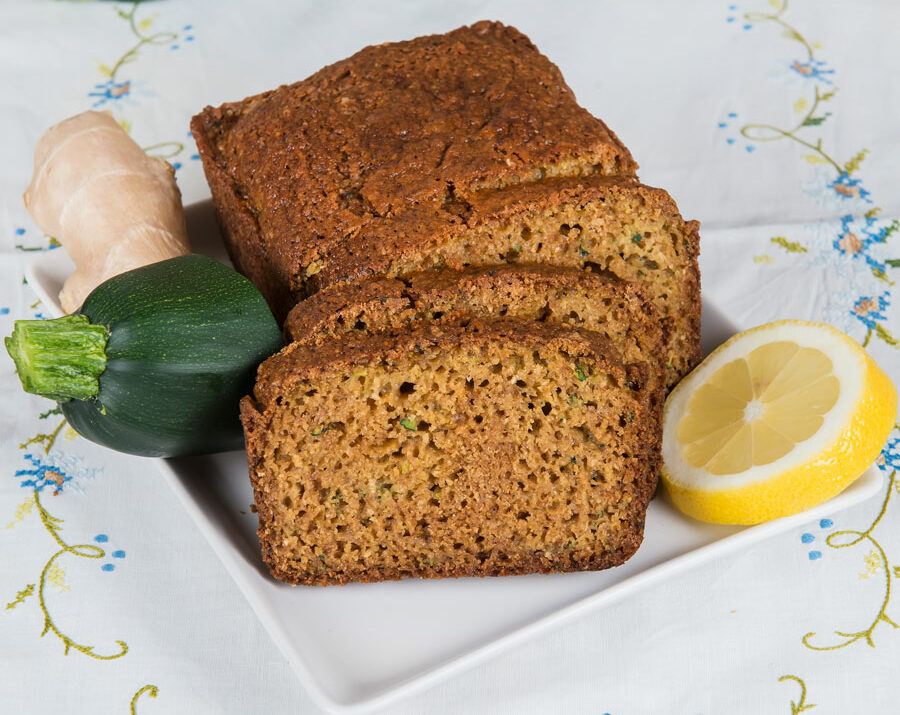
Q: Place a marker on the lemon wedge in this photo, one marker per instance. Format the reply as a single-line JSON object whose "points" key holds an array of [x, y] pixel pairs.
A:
{"points": [[776, 420]]}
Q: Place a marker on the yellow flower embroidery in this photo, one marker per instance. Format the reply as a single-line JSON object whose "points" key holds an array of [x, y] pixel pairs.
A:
{"points": [[23, 510], [873, 562]]}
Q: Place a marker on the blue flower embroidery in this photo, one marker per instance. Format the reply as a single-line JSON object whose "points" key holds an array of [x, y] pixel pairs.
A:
{"points": [[110, 91], [856, 240], [43, 475], [60, 472], [849, 188], [812, 69], [869, 310], [890, 455]]}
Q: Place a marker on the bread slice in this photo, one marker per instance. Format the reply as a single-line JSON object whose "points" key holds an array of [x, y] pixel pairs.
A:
{"points": [[499, 447], [618, 310]]}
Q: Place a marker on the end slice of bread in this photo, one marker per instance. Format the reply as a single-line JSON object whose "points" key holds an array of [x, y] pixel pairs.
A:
{"points": [[497, 447]]}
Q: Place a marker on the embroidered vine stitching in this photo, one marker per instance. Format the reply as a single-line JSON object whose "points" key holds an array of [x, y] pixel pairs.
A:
{"points": [[801, 704], [48, 470], [863, 237], [151, 690], [86, 551], [858, 244], [876, 559]]}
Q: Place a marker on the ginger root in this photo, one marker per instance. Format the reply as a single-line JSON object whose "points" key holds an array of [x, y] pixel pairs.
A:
{"points": [[110, 205]]}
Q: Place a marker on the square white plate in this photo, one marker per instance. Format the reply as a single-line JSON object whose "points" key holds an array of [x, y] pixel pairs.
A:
{"points": [[359, 647]]}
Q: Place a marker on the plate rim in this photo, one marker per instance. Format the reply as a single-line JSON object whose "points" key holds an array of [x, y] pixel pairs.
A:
{"points": [[860, 490], [866, 486]]}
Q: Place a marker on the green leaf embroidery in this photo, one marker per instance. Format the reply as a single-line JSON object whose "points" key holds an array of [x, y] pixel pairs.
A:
{"points": [[46, 440], [789, 246], [815, 121], [21, 596], [854, 163], [881, 275], [55, 411], [893, 262], [885, 335]]}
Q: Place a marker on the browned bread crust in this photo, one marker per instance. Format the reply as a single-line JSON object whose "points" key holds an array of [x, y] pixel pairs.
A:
{"points": [[296, 485], [600, 224], [426, 122]]}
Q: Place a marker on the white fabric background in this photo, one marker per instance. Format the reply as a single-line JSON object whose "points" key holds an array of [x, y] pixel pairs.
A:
{"points": [[663, 75]]}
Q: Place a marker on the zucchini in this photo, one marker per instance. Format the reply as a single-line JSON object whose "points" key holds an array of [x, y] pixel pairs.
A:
{"points": [[156, 360]]}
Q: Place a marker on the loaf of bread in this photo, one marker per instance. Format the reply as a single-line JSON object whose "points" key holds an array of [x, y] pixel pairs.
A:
{"points": [[485, 305], [618, 310], [496, 447], [444, 152]]}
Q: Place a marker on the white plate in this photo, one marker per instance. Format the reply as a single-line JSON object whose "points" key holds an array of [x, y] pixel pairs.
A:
{"points": [[359, 647]]}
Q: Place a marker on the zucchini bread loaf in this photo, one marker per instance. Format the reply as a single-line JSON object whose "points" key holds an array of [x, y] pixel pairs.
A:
{"points": [[446, 151], [618, 310], [496, 447]]}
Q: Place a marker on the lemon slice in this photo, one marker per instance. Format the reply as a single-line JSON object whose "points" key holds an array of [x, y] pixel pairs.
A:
{"points": [[776, 420]]}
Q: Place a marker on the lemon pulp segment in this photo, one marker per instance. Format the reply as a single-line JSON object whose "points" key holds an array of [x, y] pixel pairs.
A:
{"points": [[754, 409]]}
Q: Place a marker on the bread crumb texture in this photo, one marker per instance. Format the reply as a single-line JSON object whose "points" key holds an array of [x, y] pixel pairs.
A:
{"points": [[496, 447], [619, 310]]}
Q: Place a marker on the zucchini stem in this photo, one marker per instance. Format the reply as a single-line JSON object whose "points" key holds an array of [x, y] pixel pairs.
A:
{"points": [[61, 359]]}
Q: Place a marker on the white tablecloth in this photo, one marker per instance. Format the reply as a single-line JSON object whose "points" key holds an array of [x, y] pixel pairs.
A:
{"points": [[776, 127]]}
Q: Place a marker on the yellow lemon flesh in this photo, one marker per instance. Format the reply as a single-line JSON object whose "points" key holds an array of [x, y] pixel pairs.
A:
{"points": [[776, 420]]}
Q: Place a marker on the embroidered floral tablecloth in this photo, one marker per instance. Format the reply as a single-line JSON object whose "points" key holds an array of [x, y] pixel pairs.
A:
{"points": [[774, 124]]}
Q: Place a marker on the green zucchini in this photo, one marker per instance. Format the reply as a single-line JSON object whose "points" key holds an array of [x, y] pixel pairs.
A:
{"points": [[156, 360]]}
